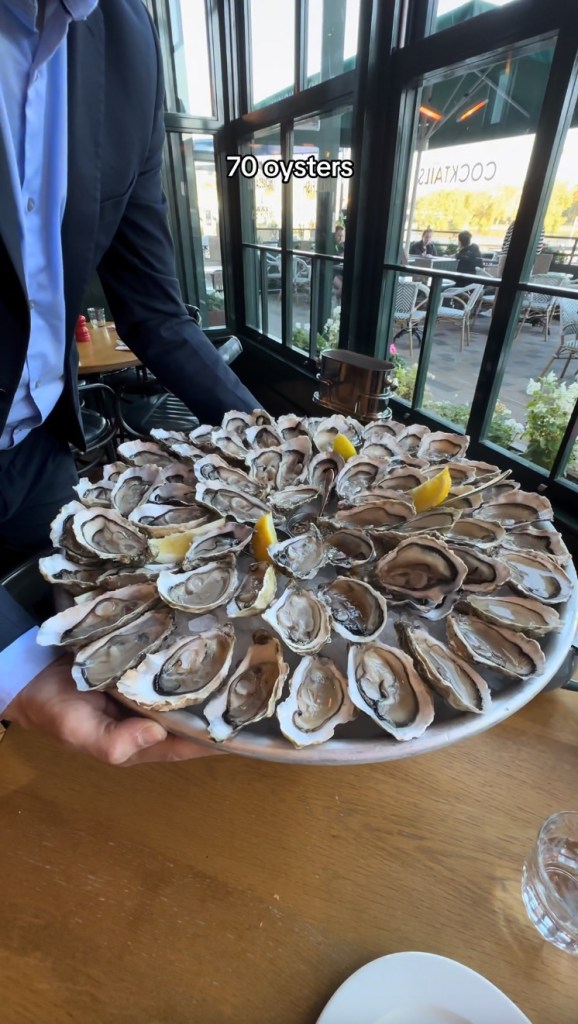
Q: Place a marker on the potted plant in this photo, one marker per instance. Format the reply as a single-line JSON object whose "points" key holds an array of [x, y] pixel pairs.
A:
{"points": [[215, 306], [549, 409]]}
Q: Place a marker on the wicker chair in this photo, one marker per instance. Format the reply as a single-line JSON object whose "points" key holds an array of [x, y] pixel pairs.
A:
{"points": [[538, 306], [568, 346], [407, 316], [460, 310]]}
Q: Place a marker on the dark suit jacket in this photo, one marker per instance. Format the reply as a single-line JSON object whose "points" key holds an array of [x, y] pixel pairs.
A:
{"points": [[115, 220]]}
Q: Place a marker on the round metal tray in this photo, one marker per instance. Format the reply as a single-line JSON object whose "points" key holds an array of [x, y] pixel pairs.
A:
{"points": [[361, 741]]}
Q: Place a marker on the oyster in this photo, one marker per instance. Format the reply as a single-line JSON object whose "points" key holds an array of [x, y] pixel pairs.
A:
{"points": [[144, 453], [103, 662], [131, 487], [129, 575], [378, 430], [301, 620], [383, 683], [302, 556], [214, 470], [427, 522], [255, 592], [292, 469], [499, 490], [359, 474], [318, 701], [522, 614], [94, 495], [411, 438], [177, 473], [82, 623], [545, 542], [231, 501], [387, 450], [202, 589], [349, 548], [485, 574], [231, 445], [261, 416], [58, 569], [202, 437], [237, 423], [538, 576], [228, 538], [113, 470], [465, 503], [510, 653], [437, 446], [358, 612], [177, 495], [263, 436], [517, 509], [252, 691], [167, 438], [402, 478], [105, 534], [291, 498], [186, 451], [421, 567], [323, 470], [164, 520], [290, 426], [326, 432], [447, 672], [185, 673], [374, 515], [62, 534], [475, 533], [263, 466]]}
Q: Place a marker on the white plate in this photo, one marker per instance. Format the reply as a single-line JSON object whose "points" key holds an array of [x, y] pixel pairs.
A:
{"points": [[419, 988]]}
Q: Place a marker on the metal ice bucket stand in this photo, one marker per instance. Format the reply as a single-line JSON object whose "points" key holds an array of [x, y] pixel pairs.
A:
{"points": [[355, 385]]}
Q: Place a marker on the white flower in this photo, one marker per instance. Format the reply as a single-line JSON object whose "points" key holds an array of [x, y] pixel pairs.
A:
{"points": [[533, 387]]}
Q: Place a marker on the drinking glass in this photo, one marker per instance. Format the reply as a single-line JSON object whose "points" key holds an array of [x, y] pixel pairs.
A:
{"points": [[91, 316], [100, 318], [550, 881]]}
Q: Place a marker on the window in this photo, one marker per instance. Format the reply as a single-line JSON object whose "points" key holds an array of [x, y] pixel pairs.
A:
{"points": [[331, 38], [194, 89], [272, 42], [452, 12]]}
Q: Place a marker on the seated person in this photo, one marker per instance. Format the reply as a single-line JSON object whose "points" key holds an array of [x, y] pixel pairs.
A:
{"points": [[468, 256], [425, 247], [339, 239]]}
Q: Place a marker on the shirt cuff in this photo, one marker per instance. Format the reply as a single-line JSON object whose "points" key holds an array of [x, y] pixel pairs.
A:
{"points": [[20, 662]]}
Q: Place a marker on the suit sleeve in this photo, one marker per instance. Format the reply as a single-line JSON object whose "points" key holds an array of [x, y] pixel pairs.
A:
{"points": [[139, 278], [20, 657]]}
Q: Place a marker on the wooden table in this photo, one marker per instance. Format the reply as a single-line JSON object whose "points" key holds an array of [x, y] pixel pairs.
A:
{"points": [[99, 355], [229, 891]]}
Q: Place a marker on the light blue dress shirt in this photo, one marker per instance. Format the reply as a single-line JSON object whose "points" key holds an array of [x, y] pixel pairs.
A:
{"points": [[33, 126], [34, 131]]}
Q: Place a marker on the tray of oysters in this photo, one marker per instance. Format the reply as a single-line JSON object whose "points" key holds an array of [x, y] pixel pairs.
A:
{"points": [[368, 631]]}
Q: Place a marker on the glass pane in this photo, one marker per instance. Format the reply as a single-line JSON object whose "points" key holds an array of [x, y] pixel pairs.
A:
{"points": [[272, 41], [473, 143], [190, 50], [450, 12], [252, 282], [323, 145], [322, 286], [190, 182], [332, 29], [261, 195]]}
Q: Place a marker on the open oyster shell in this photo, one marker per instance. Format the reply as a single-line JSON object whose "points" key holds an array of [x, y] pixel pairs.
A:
{"points": [[302, 621], [255, 592], [538, 576], [294, 462], [485, 574], [374, 515], [103, 533], [253, 690], [318, 701], [437, 446], [291, 426], [522, 614], [131, 487], [62, 534], [377, 430], [227, 538], [263, 466], [447, 672], [348, 548], [200, 590], [323, 470], [82, 623], [383, 683], [94, 494], [181, 675], [214, 470], [77, 579], [517, 509], [359, 474], [330, 426], [262, 436], [144, 453], [476, 533], [421, 567], [177, 495], [302, 556], [358, 612], [231, 501], [164, 520], [544, 542], [102, 663], [504, 650]]}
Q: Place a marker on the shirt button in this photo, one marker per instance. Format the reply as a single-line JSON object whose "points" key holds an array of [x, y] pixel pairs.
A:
{"points": [[30, 205], [37, 384], [31, 304]]}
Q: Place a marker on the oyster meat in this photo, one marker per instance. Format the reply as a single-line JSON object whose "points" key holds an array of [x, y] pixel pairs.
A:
{"points": [[359, 474], [485, 574], [421, 567], [383, 683], [230, 501], [181, 675], [349, 548], [102, 663], [502, 649], [253, 690], [94, 495], [104, 533], [545, 542], [538, 576], [437, 446], [131, 487], [522, 614], [82, 623], [302, 556], [302, 621], [228, 538], [164, 520], [318, 701], [517, 509], [214, 470], [58, 569], [358, 612], [292, 469], [446, 672], [144, 453]]}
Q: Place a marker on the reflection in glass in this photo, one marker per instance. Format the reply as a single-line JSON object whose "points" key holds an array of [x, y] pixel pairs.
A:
{"points": [[450, 12], [188, 35], [320, 203], [261, 194], [272, 42], [331, 38]]}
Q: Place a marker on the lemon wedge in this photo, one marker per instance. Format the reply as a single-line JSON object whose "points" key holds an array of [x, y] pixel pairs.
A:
{"points": [[432, 492], [343, 446], [173, 548], [264, 535]]}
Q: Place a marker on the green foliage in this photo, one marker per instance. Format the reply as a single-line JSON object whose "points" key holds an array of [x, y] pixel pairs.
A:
{"points": [[215, 301], [549, 409]]}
